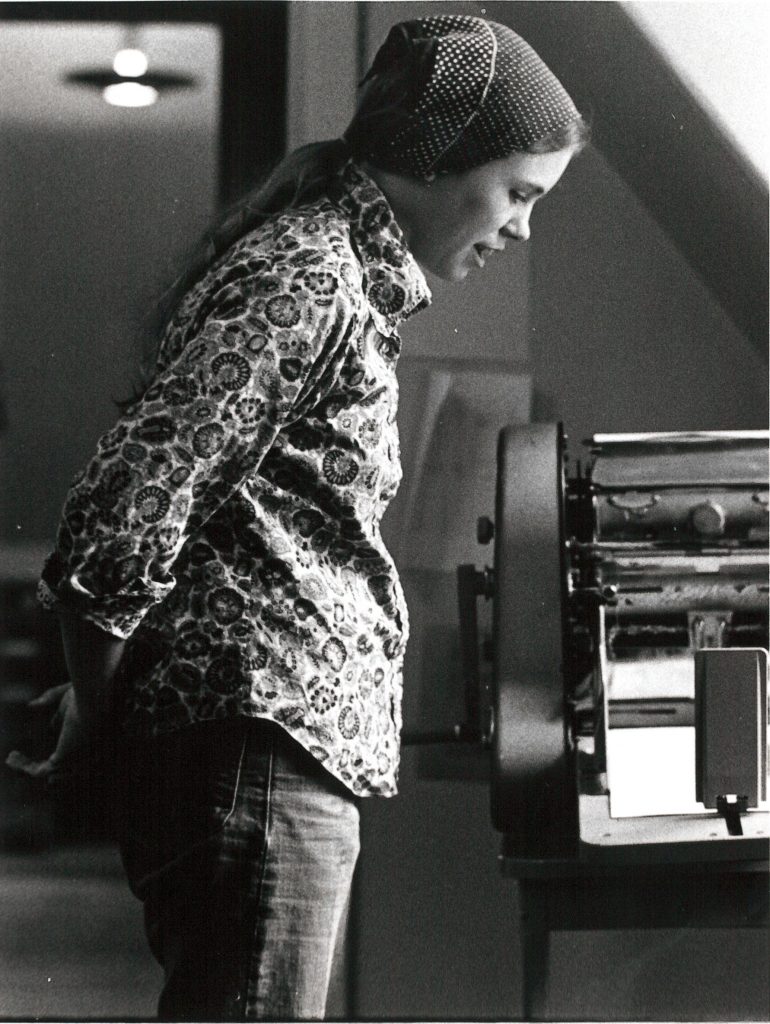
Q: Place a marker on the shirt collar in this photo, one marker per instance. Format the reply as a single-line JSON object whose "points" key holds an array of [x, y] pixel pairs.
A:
{"points": [[394, 285]]}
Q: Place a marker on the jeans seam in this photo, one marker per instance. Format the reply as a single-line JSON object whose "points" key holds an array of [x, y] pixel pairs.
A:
{"points": [[254, 961], [237, 783]]}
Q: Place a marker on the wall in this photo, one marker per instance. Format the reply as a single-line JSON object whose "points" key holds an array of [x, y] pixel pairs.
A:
{"points": [[696, 37], [625, 335], [85, 206], [615, 332], [323, 42], [97, 206]]}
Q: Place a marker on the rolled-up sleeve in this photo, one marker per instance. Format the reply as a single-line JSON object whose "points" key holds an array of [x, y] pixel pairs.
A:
{"points": [[262, 349]]}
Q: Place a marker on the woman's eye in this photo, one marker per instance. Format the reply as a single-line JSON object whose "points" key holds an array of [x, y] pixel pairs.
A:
{"points": [[516, 197]]}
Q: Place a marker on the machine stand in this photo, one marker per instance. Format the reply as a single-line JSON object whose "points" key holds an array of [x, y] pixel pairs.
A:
{"points": [[575, 896]]}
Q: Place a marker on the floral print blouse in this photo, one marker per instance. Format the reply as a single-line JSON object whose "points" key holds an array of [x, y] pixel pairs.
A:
{"points": [[228, 525]]}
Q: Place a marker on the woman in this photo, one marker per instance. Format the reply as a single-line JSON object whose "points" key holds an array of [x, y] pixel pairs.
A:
{"points": [[224, 591]]}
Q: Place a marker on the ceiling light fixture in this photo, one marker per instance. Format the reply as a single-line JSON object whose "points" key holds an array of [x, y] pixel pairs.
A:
{"points": [[128, 83], [130, 63]]}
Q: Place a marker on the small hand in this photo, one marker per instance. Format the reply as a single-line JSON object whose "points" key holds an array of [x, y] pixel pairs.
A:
{"points": [[73, 737]]}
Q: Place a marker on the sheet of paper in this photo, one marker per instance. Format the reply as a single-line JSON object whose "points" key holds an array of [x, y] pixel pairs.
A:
{"points": [[651, 677], [652, 772]]}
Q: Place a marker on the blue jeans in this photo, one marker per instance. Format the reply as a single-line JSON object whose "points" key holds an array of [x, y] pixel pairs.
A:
{"points": [[242, 848]]}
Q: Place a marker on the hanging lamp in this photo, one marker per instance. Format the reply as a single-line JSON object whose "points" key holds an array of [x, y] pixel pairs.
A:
{"points": [[129, 83]]}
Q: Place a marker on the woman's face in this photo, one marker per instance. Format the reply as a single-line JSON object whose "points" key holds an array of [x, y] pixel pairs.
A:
{"points": [[461, 219]]}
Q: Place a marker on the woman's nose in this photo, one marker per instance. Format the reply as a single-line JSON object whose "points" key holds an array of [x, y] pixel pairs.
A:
{"points": [[517, 228]]}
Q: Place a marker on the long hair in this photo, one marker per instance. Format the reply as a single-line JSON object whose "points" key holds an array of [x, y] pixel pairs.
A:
{"points": [[576, 134], [301, 177]]}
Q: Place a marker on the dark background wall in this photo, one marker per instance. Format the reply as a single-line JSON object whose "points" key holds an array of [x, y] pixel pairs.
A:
{"points": [[93, 224]]}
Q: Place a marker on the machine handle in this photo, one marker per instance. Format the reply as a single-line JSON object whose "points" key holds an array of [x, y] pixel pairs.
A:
{"points": [[455, 734]]}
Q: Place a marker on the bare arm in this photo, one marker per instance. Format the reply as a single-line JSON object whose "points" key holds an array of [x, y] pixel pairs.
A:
{"points": [[92, 658], [86, 704]]}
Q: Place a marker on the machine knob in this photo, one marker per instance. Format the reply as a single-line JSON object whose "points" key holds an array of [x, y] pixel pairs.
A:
{"points": [[708, 519], [485, 529]]}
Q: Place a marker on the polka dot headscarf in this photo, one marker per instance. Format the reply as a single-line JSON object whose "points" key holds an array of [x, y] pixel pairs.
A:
{"points": [[451, 92]]}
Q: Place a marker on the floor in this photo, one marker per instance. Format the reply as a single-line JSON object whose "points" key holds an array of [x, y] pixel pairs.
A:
{"points": [[72, 949], [72, 946], [71, 941]]}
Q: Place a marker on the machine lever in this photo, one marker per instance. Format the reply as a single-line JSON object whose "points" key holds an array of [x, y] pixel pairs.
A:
{"points": [[731, 809]]}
